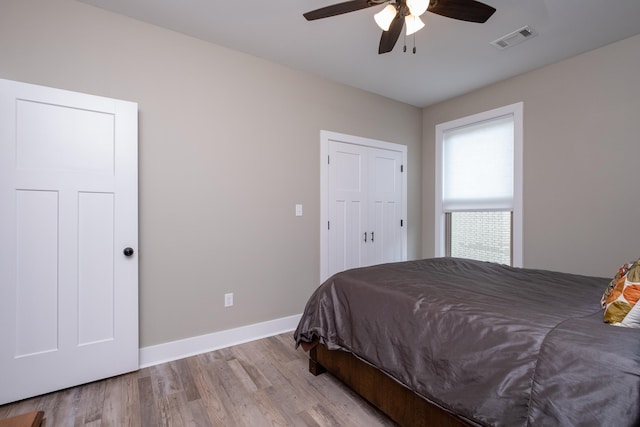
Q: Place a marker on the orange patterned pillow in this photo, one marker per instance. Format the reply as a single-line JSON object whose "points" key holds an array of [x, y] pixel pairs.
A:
{"points": [[622, 295]]}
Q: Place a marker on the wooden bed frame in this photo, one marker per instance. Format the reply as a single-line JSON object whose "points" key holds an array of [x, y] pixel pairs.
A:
{"points": [[398, 402]]}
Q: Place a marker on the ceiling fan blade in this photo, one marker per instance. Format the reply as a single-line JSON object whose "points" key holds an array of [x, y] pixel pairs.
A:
{"points": [[390, 37], [464, 10], [337, 9]]}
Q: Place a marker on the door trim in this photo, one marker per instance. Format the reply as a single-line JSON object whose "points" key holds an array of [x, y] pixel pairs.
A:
{"points": [[325, 137]]}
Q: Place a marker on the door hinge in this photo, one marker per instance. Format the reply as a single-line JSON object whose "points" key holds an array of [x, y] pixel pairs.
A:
{"points": [[328, 160], [328, 225], [401, 223], [401, 168]]}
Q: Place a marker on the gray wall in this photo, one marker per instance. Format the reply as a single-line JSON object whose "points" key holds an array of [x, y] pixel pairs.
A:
{"points": [[581, 150], [228, 144]]}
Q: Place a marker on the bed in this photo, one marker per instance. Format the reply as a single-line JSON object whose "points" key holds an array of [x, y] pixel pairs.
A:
{"points": [[455, 342]]}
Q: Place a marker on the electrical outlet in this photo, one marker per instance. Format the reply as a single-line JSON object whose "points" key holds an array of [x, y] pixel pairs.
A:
{"points": [[228, 300]]}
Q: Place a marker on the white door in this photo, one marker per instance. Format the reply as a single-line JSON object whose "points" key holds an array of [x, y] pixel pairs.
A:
{"points": [[348, 213], [364, 201], [68, 209], [385, 206]]}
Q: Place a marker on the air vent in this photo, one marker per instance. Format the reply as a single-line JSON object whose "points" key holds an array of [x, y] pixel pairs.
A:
{"points": [[514, 38]]}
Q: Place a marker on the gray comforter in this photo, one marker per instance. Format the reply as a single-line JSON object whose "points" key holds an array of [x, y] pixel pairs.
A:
{"points": [[493, 344]]}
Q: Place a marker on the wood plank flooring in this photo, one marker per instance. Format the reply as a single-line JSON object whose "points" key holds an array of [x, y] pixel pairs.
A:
{"points": [[261, 383]]}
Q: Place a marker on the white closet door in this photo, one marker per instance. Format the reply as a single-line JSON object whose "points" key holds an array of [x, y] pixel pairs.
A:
{"points": [[348, 210], [365, 203], [385, 206], [68, 209]]}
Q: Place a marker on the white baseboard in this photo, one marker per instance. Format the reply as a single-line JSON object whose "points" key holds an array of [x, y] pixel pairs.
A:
{"points": [[161, 353]]}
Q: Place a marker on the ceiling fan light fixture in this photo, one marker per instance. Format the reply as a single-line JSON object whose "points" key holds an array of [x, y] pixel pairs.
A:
{"points": [[417, 7], [385, 16], [400, 13], [413, 23]]}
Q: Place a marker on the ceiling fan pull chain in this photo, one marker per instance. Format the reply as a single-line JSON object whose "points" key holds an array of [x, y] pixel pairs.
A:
{"points": [[414, 43], [404, 49]]}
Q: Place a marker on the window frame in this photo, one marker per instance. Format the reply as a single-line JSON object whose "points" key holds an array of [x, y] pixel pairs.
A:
{"points": [[515, 110]]}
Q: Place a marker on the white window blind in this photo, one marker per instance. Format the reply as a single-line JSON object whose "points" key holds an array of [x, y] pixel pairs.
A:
{"points": [[478, 166]]}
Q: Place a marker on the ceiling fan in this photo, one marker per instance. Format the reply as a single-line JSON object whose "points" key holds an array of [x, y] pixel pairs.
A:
{"points": [[397, 13]]}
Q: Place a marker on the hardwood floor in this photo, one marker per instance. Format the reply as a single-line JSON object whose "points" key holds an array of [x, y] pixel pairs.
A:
{"points": [[261, 383]]}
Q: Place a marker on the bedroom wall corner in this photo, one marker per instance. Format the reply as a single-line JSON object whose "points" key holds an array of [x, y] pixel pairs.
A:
{"points": [[580, 140]]}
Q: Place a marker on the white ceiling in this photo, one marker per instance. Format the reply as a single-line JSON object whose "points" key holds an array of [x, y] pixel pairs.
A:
{"points": [[453, 57]]}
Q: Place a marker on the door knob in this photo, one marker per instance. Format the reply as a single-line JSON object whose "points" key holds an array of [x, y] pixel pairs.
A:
{"points": [[127, 252]]}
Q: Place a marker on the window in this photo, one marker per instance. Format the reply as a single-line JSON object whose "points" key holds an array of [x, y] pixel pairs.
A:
{"points": [[479, 186]]}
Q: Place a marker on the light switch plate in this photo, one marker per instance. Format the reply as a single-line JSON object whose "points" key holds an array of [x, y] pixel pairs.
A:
{"points": [[298, 210], [228, 300]]}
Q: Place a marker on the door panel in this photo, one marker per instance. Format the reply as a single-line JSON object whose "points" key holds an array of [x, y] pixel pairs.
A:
{"points": [[355, 244], [54, 145], [386, 205], [349, 163], [365, 204], [37, 272], [95, 267], [68, 206], [338, 257], [386, 176]]}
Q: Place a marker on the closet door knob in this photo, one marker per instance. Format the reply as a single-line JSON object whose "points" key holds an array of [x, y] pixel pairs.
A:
{"points": [[127, 252]]}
